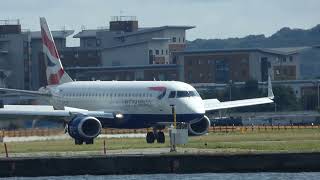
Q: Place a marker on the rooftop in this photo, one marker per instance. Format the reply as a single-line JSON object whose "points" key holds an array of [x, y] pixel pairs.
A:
{"points": [[151, 66], [137, 42], [10, 22], [93, 32], [277, 51], [88, 33], [149, 30], [55, 34]]}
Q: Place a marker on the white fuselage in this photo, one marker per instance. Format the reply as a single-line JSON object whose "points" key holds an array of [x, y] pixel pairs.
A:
{"points": [[129, 97]]}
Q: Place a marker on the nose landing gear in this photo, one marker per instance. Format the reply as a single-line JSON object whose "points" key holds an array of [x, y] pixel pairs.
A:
{"points": [[155, 135]]}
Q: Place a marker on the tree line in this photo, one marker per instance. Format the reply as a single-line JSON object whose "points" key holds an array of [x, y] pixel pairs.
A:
{"points": [[285, 98]]}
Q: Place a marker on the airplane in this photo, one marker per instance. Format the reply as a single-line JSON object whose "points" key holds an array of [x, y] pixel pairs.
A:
{"points": [[89, 106]]}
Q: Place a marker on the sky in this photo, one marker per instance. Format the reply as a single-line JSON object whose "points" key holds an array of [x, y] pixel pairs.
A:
{"points": [[212, 18]]}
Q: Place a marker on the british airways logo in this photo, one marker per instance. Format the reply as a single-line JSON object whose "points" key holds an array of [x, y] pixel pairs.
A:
{"points": [[160, 89]]}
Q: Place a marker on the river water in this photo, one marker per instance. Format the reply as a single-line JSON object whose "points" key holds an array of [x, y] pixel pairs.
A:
{"points": [[222, 176]]}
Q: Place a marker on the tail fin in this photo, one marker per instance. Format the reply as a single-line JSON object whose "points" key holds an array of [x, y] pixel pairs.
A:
{"points": [[55, 72]]}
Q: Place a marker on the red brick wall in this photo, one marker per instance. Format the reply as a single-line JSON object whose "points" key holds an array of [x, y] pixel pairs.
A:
{"points": [[204, 72], [285, 72]]}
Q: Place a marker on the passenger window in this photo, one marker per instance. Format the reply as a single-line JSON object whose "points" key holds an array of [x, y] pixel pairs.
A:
{"points": [[172, 94]]}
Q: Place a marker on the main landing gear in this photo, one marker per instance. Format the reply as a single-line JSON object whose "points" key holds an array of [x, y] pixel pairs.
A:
{"points": [[80, 141], [155, 135]]}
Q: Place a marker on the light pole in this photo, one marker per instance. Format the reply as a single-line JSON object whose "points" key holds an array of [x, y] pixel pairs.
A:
{"points": [[318, 82], [230, 86]]}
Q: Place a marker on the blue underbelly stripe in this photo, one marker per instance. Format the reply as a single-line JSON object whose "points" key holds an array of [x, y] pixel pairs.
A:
{"points": [[136, 121]]}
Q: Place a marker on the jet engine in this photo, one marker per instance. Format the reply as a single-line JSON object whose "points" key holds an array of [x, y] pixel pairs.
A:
{"points": [[84, 129], [199, 127]]}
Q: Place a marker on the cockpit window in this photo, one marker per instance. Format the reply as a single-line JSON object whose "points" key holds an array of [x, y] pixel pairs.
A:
{"points": [[162, 94], [194, 93], [172, 94], [181, 94]]}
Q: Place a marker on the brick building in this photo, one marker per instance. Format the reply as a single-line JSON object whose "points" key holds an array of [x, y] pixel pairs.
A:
{"points": [[238, 65], [126, 73]]}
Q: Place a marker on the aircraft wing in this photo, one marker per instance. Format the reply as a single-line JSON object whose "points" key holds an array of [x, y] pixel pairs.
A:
{"points": [[214, 104], [22, 92], [20, 112]]}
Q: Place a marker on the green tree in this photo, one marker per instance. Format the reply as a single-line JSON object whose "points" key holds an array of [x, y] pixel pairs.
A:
{"points": [[285, 98]]}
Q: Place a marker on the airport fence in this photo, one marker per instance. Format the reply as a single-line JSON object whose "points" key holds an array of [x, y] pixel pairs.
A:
{"points": [[261, 128], [213, 129]]}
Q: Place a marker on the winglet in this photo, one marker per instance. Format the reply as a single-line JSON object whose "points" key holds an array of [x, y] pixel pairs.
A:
{"points": [[270, 92]]}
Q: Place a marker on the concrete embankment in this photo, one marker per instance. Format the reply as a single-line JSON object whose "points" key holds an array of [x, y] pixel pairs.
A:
{"points": [[169, 163]]}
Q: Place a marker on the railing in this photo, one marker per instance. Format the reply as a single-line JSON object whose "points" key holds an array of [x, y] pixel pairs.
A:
{"points": [[213, 129], [243, 129], [10, 22]]}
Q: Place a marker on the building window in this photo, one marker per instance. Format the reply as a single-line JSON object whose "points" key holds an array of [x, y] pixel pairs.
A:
{"points": [[25, 44], [166, 51], [284, 59], [179, 39], [98, 42], [183, 39], [162, 51], [222, 71], [157, 51], [174, 60], [244, 73], [244, 61], [90, 55], [174, 39], [190, 75], [290, 58], [89, 43], [150, 52]]}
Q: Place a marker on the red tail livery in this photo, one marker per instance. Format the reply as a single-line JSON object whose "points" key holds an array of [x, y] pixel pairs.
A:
{"points": [[55, 73]]}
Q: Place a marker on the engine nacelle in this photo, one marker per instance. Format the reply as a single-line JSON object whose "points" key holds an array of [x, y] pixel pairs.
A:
{"points": [[84, 127], [200, 127]]}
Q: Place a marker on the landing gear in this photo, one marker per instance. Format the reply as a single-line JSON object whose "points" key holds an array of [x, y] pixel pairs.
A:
{"points": [[90, 141], [150, 137], [161, 138], [155, 135], [80, 141]]}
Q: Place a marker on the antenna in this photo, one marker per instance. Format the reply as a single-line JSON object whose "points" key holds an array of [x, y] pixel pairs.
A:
{"points": [[83, 27]]}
